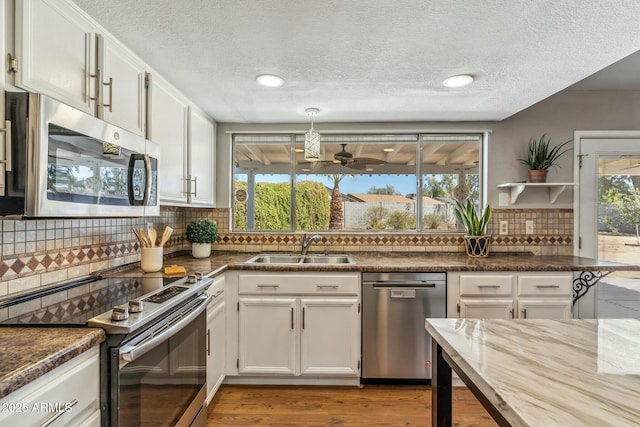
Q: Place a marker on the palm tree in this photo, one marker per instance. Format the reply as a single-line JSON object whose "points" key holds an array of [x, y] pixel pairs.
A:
{"points": [[335, 208]]}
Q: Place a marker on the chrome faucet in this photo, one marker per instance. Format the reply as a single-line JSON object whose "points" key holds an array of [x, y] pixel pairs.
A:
{"points": [[306, 243]]}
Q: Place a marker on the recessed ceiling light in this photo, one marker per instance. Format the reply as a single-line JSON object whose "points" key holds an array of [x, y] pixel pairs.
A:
{"points": [[299, 150], [387, 150], [270, 80], [305, 170], [460, 80]]}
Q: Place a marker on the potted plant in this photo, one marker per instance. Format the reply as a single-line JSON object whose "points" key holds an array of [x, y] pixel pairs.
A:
{"points": [[201, 233], [476, 241], [540, 157]]}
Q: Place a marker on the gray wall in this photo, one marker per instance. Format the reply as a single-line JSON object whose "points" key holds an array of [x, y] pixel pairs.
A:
{"points": [[558, 116]]}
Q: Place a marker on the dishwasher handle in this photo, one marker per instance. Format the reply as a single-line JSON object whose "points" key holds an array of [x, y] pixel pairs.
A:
{"points": [[420, 284]]}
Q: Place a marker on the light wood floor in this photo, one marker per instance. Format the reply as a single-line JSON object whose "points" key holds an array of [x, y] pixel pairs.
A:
{"points": [[338, 406]]}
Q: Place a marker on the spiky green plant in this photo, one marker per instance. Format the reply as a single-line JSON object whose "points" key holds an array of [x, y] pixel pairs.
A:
{"points": [[540, 156], [474, 224]]}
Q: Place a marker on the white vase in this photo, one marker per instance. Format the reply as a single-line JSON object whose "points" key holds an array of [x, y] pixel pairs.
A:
{"points": [[200, 250]]}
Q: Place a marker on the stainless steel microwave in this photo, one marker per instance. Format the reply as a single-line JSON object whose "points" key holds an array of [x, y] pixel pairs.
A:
{"points": [[61, 162]]}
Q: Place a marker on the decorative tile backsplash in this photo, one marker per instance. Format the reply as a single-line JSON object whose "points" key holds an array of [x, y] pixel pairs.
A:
{"points": [[41, 252]]}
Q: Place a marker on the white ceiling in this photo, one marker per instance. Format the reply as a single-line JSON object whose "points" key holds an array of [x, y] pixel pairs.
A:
{"points": [[374, 60]]}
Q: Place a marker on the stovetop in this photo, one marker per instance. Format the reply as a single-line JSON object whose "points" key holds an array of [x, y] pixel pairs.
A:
{"points": [[90, 302]]}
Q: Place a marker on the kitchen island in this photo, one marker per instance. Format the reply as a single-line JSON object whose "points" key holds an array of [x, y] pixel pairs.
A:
{"points": [[540, 372]]}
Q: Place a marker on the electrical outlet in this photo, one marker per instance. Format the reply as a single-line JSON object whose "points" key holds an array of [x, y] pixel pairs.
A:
{"points": [[529, 226], [504, 227], [149, 225]]}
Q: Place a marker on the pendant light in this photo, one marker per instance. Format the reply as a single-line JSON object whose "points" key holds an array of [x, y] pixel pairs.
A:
{"points": [[312, 138]]}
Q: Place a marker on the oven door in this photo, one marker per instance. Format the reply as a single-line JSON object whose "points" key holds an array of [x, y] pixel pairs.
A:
{"points": [[158, 378]]}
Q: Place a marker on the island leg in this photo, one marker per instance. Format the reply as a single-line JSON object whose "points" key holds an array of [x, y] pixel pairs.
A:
{"points": [[440, 388]]}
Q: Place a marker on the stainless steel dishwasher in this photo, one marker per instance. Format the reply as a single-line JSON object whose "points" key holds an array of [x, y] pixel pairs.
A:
{"points": [[395, 346]]}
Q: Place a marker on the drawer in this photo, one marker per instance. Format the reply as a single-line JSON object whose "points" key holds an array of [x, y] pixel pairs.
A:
{"points": [[486, 284], [556, 284], [45, 398], [216, 290], [299, 284]]}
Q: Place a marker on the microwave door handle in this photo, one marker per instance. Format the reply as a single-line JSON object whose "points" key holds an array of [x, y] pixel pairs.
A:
{"points": [[147, 175], [7, 145], [131, 353]]}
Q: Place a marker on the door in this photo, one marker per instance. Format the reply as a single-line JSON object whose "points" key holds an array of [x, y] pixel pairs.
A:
{"points": [[607, 210], [216, 348], [122, 86], [486, 308], [201, 159], [55, 52], [267, 333], [330, 336], [544, 309]]}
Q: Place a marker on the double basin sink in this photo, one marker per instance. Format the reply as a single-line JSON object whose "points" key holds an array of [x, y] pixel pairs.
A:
{"points": [[300, 259]]}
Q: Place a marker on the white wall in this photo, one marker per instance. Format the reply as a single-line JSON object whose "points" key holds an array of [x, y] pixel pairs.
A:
{"points": [[558, 116]]}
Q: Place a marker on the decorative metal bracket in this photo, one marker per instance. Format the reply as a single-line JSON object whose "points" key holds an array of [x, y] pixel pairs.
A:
{"points": [[585, 281]]}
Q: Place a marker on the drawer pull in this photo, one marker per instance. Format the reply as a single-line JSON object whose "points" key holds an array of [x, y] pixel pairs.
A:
{"points": [[269, 286], [51, 420], [488, 286], [328, 286], [547, 286]]}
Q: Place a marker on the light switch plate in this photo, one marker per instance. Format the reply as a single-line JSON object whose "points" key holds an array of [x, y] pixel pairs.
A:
{"points": [[504, 227], [529, 226]]}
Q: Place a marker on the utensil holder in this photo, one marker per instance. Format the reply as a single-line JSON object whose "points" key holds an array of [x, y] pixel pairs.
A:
{"points": [[151, 260]]}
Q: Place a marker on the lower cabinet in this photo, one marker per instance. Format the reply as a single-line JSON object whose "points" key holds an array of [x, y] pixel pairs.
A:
{"points": [[69, 395], [530, 295], [216, 337], [299, 325]]}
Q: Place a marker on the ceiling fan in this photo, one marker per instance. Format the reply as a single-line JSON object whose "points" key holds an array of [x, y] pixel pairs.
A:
{"points": [[637, 165], [346, 159]]}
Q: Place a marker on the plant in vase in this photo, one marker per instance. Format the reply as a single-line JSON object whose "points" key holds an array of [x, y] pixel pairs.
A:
{"points": [[476, 241], [201, 233], [540, 157]]}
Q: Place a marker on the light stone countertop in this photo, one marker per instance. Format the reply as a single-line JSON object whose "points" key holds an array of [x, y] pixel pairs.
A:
{"points": [[30, 352], [550, 372]]}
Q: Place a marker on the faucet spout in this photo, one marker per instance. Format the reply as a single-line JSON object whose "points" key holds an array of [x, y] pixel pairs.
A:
{"points": [[306, 243]]}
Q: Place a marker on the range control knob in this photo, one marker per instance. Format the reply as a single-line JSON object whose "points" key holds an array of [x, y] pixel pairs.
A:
{"points": [[192, 278], [120, 312], [135, 306]]}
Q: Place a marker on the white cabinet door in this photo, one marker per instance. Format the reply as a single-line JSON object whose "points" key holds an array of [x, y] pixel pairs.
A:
{"points": [[55, 48], [544, 308], [122, 87], [216, 348], [330, 336], [3, 146], [267, 333], [167, 114], [201, 159], [486, 308]]}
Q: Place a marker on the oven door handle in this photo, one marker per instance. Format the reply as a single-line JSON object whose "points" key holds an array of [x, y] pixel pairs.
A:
{"points": [[131, 353]]}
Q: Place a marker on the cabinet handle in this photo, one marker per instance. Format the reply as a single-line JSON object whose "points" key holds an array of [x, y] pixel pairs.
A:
{"points": [[187, 189], [292, 318], [7, 145], [302, 317], [488, 286], [51, 420], [195, 186], [110, 104], [328, 286], [547, 286], [268, 286], [98, 79], [87, 74], [208, 342], [524, 313], [511, 313]]}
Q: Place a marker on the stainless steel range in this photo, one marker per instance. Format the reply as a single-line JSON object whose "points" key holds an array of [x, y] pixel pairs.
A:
{"points": [[154, 359]]}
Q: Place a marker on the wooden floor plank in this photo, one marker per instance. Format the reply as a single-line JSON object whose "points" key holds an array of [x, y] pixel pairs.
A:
{"points": [[337, 406]]}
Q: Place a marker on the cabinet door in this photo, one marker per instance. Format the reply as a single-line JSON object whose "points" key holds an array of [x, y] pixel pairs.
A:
{"points": [[216, 348], [3, 146], [330, 336], [55, 52], [544, 309], [267, 334], [168, 127], [201, 158], [122, 92], [486, 308]]}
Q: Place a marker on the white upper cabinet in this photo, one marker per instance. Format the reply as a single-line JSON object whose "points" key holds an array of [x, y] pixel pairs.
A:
{"points": [[55, 52], [62, 53], [121, 86], [201, 159], [168, 116]]}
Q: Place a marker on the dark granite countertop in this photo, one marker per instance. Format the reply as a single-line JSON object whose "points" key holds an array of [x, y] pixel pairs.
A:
{"points": [[219, 262], [29, 353]]}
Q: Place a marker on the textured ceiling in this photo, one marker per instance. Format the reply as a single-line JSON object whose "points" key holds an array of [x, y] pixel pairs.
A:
{"points": [[371, 60]]}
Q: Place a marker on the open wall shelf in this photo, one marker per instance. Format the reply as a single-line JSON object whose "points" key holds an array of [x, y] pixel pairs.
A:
{"points": [[554, 189]]}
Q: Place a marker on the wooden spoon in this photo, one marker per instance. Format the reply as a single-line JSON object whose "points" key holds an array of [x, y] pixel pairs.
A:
{"points": [[166, 234], [140, 239], [143, 237], [153, 236]]}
